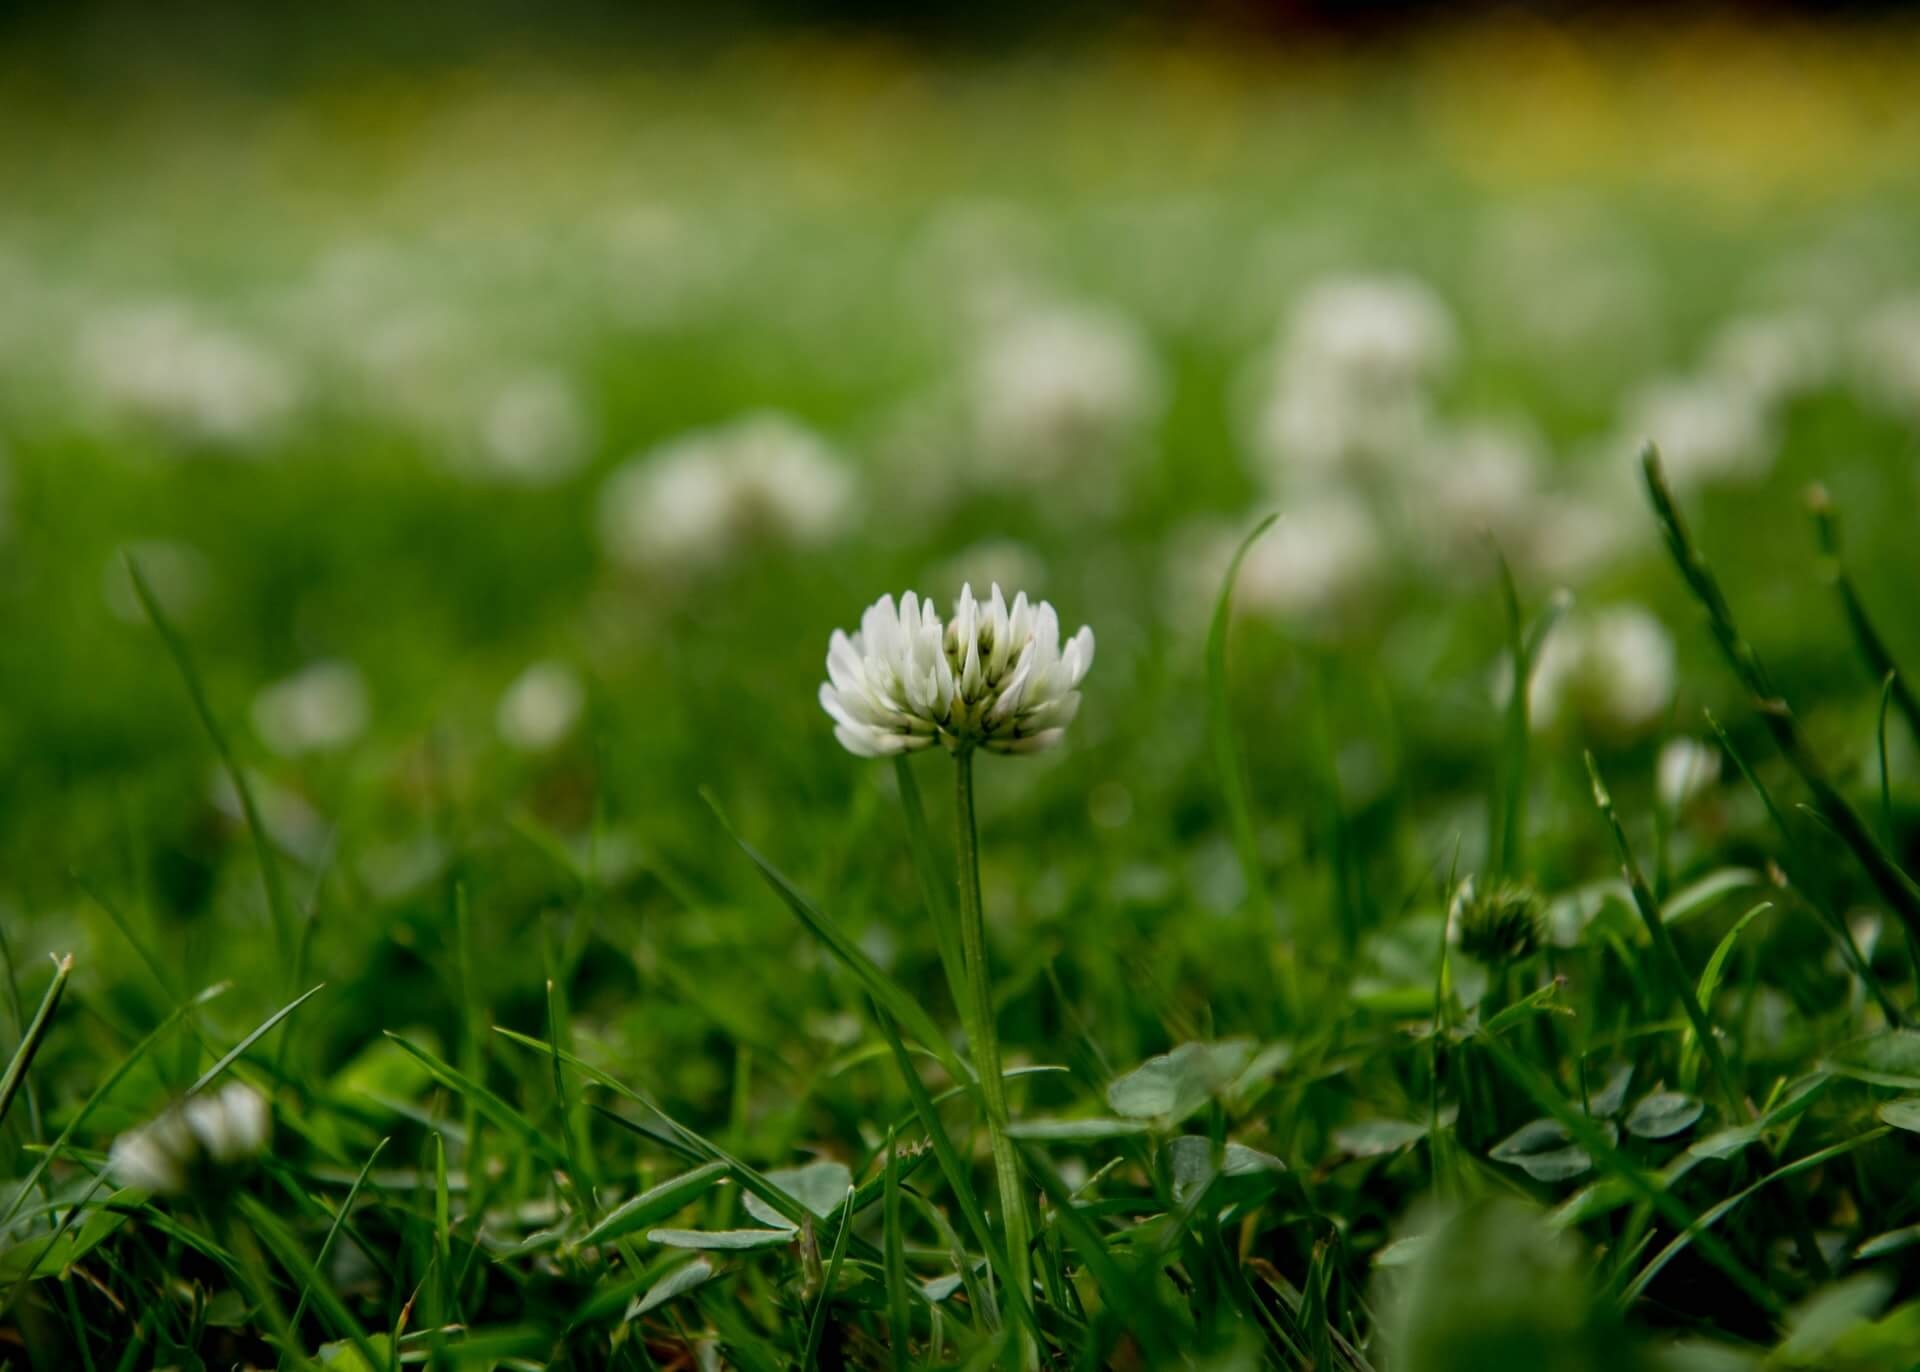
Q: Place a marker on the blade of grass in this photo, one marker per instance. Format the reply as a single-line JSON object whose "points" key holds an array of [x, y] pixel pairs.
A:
{"points": [[1893, 884], [1794, 869], [279, 905], [901, 1005], [333, 1232], [955, 1171], [893, 1243], [1588, 1135], [817, 1325], [233, 1055], [99, 1093], [1708, 1218], [926, 867], [1680, 985], [489, 1104], [1235, 791], [30, 1041], [1867, 641]]}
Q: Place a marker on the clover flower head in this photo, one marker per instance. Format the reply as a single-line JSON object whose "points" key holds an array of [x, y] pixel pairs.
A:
{"points": [[994, 676], [170, 1152], [1499, 926]]}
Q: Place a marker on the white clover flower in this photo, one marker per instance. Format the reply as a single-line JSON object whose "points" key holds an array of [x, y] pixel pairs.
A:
{"points": [[319, 708], [541, 707], [1372, 333], [699, 499], [1773, 357], [994, 676], [535, 430], [1708, 430], [166, 1154], [1886, 348], [162, 365], [1347, 383], [1686, 768], [156, 1156], [1612, 670], [1054, 383], [232, 1124], [1482, 477]]}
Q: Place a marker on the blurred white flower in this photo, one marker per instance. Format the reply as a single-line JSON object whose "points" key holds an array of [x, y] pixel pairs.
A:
{"points": [[319, 708], [1886, 354], [1479, 478], [1322, 557], [535, 430], [994, 561], [541, 707], [1055, 384], [1773, 357], [1685, 769], [1612, 671], [1347, 384], [1372, 334], [175, 572], [994, 676], [165, 1154], [703, 497], [159, 364], [1708, 430]]}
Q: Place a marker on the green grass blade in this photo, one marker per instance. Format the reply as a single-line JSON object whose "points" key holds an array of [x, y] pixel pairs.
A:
{"points": [[933, 886], [233, 1055], [899, 1322], [1680, 985], [1588, 1135], [488, 1103], [1867, 641], [817, 1325], [1708, 1218], [955, 1171], [100, 1093], [30, 1041], [898, 1002], [656, 1203], [1230, 766], [279, 905], [333, 1231], [1893, 883]]}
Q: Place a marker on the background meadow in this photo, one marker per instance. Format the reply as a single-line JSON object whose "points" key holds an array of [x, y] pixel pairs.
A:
{"points": [[503, 432]]}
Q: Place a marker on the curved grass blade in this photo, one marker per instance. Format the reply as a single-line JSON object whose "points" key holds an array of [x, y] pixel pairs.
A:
{"points": [[29, 1045], [656, 1202], [233, 1055], [1867, 641], [818, 1323], [1589, 1136], [333, 1232], [1887, 877], [1698, 1228], [883, 988], [1668, 954], [485, 1100], [279, 904], [100, 1093], [1228, 762]]}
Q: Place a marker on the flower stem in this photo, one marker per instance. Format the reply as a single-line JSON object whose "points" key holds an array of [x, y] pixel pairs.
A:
{"points": [[984, 1042]]}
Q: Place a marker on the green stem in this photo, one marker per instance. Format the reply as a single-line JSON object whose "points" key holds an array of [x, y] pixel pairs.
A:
{"points": [[984, 1042]]}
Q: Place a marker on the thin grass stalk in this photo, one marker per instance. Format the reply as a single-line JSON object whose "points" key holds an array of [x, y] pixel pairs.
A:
{"points": [[984, 1041], [1871, 646], [1665, 951], [1895, 887]]}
